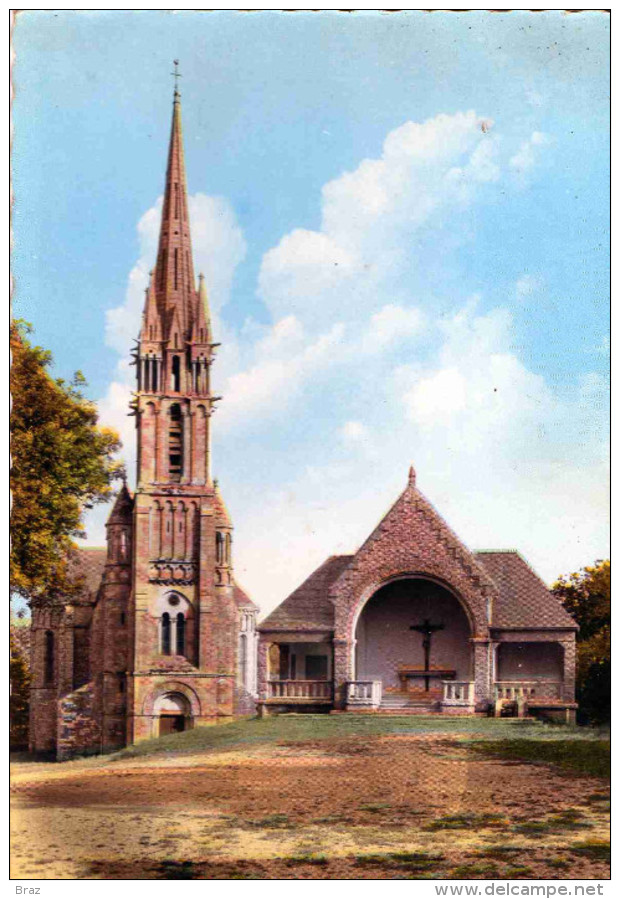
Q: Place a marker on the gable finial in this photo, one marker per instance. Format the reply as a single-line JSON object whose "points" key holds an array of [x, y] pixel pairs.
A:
{"points": [[411, 480]]}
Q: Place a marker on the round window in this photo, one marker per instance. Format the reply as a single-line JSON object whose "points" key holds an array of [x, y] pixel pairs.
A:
{"points": [[174, 600]]}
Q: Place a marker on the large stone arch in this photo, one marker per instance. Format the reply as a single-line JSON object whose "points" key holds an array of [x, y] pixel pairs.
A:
{"points": [[371, 591], [353, 590], [384, 646], [376, 565], [172, 686]]}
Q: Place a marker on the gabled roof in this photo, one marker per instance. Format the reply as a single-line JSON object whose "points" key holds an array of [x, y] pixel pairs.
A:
{"points": [[309, 607], [524, 600], [242, 599]]}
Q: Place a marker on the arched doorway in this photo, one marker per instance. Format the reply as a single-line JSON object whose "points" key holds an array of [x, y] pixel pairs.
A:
{"points": [[412, 634], [173, 713]]}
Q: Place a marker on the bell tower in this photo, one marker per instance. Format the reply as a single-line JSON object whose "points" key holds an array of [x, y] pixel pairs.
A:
{"points": [[184, 617]]}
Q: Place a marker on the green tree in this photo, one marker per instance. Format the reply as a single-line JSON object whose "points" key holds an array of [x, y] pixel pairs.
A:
{"points": [[62, 463], [586, 594], [19, 698]]}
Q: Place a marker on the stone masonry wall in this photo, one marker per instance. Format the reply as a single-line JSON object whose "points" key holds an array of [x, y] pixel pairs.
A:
{"points": [[78, 730]]}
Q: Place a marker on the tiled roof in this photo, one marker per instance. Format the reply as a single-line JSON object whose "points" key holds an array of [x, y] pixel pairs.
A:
{"points": [[242, 599], [524, 600], [89, 562], [309, 606]]}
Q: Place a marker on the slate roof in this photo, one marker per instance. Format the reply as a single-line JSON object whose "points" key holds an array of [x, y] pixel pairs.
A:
{"points": [[89, 562], [524, 600], [309, 607]]}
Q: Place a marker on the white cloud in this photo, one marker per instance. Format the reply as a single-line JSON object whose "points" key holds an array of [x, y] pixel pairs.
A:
{"points": [[391, 324], [354, 430], [284, 360], [527, 155], [526, 285], [370, 217]]}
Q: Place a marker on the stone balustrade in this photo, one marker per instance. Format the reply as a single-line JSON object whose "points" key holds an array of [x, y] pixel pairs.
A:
{"points": [[300, 689], [530, 690], [458, 692], [364, 693]]}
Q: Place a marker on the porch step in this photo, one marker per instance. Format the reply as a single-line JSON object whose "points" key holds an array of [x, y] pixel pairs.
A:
{"points": [[403, 703]]}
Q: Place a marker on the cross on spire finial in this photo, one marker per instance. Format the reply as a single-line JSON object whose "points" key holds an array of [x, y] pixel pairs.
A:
{"points": [[176, 75]]}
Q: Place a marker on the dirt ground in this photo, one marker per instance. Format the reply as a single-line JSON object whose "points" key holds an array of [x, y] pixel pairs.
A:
{"points": [[415, 806]]}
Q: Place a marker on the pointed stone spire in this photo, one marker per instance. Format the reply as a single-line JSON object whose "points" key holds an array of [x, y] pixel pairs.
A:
{"points": [[123, 505], [202, 321], [151, 319], [222, 515], [174, 271], [411, 478]]}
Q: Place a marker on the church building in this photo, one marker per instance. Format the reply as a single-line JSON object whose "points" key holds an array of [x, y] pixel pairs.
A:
{"points": [[415, 622], [161, 637]]}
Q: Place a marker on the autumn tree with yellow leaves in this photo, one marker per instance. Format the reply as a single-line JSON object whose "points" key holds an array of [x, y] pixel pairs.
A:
{"points": [[62, 462]]}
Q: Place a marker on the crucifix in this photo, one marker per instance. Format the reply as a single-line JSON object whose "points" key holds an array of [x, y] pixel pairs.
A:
{"points": [[428, 630], [176, 75]]}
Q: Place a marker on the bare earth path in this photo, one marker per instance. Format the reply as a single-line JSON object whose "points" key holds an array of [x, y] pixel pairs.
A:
{"points": [[392, 806]]}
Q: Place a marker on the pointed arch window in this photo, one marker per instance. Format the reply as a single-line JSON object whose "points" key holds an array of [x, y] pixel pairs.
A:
{"points": [[180, 634], [228, 545], [219, 548], [49, 661], [165, 634]]}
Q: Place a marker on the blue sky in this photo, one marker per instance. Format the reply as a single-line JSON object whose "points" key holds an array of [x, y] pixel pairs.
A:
{"points": [[403, 223]]}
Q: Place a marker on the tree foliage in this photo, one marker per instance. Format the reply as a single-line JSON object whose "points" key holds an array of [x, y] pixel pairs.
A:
{"points": [[20, 696], [586, 594], [62, 463]]}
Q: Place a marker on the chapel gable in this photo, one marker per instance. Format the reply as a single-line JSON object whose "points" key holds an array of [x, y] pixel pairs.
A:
{"points": [[412, 539]]}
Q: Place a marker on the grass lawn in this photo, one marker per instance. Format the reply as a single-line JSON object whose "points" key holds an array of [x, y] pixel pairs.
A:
{"points": [[324, 797], [591, 756], [301, 727]]}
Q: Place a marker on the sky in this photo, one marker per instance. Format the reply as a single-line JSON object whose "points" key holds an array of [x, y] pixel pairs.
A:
{"points": [[402, 219]]}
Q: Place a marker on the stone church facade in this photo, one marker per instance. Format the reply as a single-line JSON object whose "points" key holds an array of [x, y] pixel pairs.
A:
{"points": [[415, 622], [161, 637]]}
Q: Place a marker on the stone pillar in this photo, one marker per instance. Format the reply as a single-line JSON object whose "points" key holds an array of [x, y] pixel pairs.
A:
{"points": [[186, 436], [64, 653], [161, 443], [482, 672], [263, 668], [343, 670], [570, 664], [494, 668]]}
